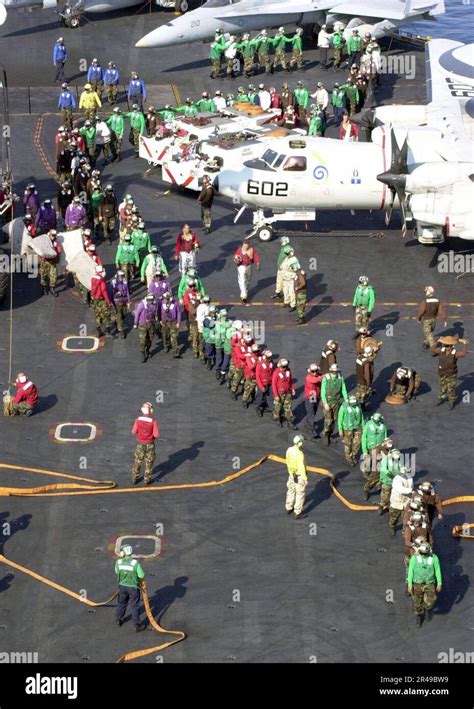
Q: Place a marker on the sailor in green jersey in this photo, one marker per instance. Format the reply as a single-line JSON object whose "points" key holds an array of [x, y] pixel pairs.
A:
{"points": [[205, 104], [215, 53], [296, 60], [352, 93], [389, 467], [279, 42], [338, 102], [363, 302], [285, 250], [241, 96], [350, 421], [333, 392], [94, 204], [354, 44], [338, 43], [264, 44], [301, 98], [223, 333], [190, 275], [152, 263], [209, 337], [167, 113], [127, 258], [424, 581], [88, 133], [252, 94], [116, 124], [316, 123], [188, 108], [130, 577], [137, 126], [373, 436], [142, 242], [247, 47]]}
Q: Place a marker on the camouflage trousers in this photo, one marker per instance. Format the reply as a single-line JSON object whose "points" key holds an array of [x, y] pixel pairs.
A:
{"points": [[301, 299], [116, 145], [237, 377], [146, 334], [98, 87], [102, 314], [385, 493], [371, 468], [12, 409], [296, 492], [229, 66], [200, 344], [194, 337], [89, 114], [352, 110], [424, 597], [351, 440], [108, 225], [120, 315], [363, 392], [169, 333], [265, 62], [337, 57], [280, 58], [429, 325], [250, 387], [330, 417], [362, 316], [447, 386], [112, 93], [136, 139], [296, 58], [206, 217], [393, 517], [282, 401], [67, 117], [248, 64], [128, 269], [144, 452], [216, 68], [48, 273]]}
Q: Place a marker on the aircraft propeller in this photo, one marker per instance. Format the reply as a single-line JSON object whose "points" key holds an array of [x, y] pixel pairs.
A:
{"points": [[395, 179]]}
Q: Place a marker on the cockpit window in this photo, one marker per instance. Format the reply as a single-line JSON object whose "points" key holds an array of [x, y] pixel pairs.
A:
{"points": [[269, 156], [279, 160], [295, 163]]}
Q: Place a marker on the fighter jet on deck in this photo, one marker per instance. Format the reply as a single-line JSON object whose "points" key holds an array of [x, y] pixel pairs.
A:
{"points": [[236, 16]]}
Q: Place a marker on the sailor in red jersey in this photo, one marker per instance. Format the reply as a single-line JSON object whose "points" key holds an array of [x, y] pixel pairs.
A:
{"points": [[26, 398], [146, 430], [263, 376], [312, 394], [283, 390], [239, 353]]}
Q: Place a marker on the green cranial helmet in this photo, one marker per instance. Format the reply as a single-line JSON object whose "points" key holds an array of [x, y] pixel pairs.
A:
{"points": [[284, 240]]}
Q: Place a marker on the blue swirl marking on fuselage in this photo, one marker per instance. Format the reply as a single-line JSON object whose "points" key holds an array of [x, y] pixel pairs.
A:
{"points": [[320, 173]]}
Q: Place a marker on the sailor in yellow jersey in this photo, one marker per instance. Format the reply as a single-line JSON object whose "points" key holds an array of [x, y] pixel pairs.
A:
{"points": [[297, 477]]}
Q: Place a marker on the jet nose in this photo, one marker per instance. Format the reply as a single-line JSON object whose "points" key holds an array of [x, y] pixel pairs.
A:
{"points": [[161, 37]]}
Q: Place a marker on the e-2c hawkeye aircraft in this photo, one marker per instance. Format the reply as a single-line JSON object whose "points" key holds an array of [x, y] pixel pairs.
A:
{"points": [[379, 17], [420, 160]]}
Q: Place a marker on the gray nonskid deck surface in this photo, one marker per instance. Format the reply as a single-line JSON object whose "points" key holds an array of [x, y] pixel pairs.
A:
{"points": [[244, 581]]}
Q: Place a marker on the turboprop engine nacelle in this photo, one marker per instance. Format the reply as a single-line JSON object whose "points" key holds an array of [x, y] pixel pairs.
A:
{"points": [[440, 176]]}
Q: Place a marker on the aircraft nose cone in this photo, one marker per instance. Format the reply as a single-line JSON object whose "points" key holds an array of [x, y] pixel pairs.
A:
{"points": [[392, 180]]}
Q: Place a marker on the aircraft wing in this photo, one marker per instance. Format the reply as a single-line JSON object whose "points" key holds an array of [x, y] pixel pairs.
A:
{"points": [[387, 9], [450, 89]]}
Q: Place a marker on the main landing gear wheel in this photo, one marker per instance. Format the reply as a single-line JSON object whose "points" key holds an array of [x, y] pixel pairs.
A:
{"points": [[181, 5], [74, 22], [265, 233]]}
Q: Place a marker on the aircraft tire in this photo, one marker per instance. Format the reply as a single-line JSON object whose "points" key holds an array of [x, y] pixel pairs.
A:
{"points": [[75, 22], [4, 283], [181, 5], [265, 233]]}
